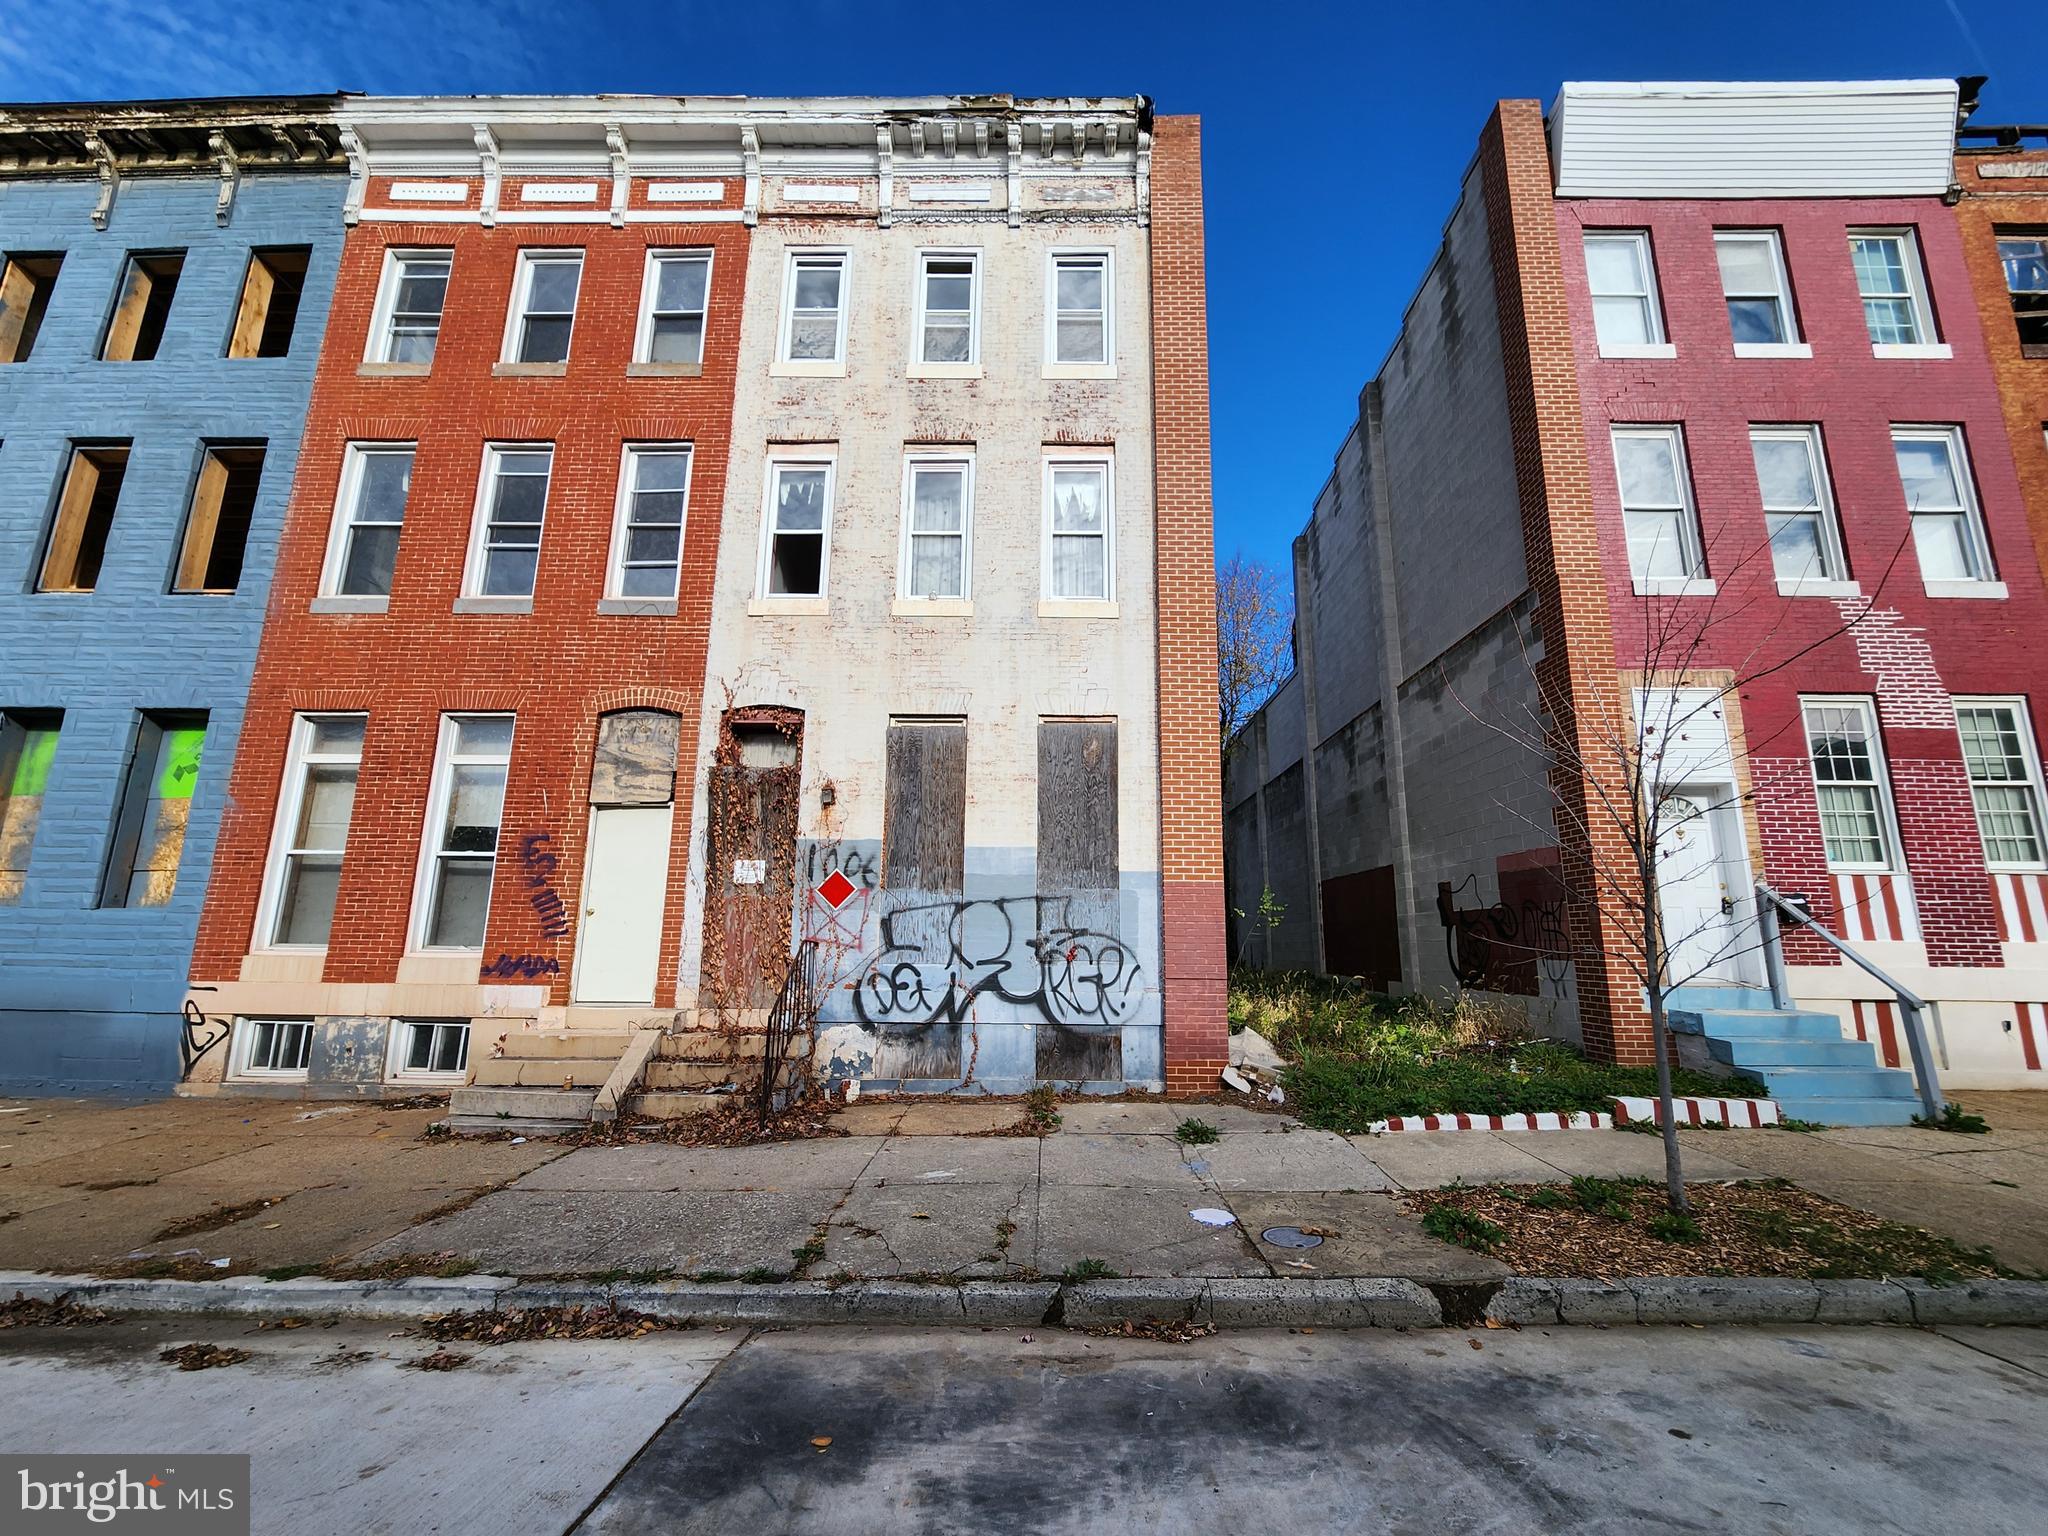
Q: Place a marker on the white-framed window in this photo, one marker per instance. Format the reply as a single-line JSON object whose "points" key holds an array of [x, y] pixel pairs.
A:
{"points": [[511, 505], [313, 812], [429, 1049], [1756, 286], [369, 513], [948, 308], [938, 512], [543, 306], [1851, 784], [1080, 310], [460, 851], [814, 309], [1799, 504], [1080, 531], [1948, 530], [2005, 780], [273, 1047], [674, 299], [411, 295], [647, 530], [1656, 505], [1893, 285], [1622, 275], [796, 528]]}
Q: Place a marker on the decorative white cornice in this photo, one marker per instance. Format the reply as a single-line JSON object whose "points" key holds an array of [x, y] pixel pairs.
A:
{"points": [[358, 177], [885, 165], [1142, 167], [750, 158], [229, 167], [110, 179], [487, 156], [1013, 144]]}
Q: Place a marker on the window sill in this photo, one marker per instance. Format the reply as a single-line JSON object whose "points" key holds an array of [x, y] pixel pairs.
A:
{"points": [[493, 605], [664, 370], [394, 370], [641, 607], [1078, 371], [1076, 608], [945, 371], [1819, 588], [258, 1075], [431, 1079], [349, 605], [2034, 349], [1640, 349], [1773, 349], [1672, 586], [797, 370], [529, 370], [1923, 349], [787, 607], [933, 608], [1978, 589]]}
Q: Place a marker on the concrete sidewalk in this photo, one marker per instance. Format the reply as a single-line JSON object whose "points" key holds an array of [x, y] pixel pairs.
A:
{"points": [[913, 1192]]}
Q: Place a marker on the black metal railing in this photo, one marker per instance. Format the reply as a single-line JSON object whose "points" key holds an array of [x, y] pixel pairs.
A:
{"points": [[795, 1013]]}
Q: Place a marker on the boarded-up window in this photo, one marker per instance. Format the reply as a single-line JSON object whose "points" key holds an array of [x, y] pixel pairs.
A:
{"points": [[85, 516], [1077, 837], [924, 833], [148, 284], [217, 528], [270, 303], [156, 804], [28, 746], [25, 286], [635, 762]]}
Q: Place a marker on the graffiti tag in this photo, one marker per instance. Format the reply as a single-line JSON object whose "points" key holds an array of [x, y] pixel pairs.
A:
{"points": [[536, 865], [525, 967], [200, 1035], [1499, 948]]}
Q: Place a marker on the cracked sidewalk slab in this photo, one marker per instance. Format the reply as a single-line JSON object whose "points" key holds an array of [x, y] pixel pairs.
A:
{"points": [[952, 1230]]}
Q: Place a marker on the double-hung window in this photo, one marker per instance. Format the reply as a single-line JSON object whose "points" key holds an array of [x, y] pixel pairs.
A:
{"points": [[28, 747], [673, 303], [1080, 531], [1759, 294], [312, 828], [647, 539], [511, 504], [796, 543], [1850, 784], [814, 310], [1893, 286], [1081, 311], [938, 498], [2025, 259], [543, 306], [948, 308], [1799, 508], [2005, 780], [1623, 279], [462, 830], [1948, 532], [1656, 507], [409, 304], [362, 551]]}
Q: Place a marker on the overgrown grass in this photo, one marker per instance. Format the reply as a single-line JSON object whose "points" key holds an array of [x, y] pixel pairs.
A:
{"points": [[1359, 1056]]}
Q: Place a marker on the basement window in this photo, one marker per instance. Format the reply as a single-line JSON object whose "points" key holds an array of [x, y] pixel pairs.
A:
{"points": [[148, 285], [217, 528], [2024, 256], [431, 1048], [85, 516], [156, 806], [276, 1047], [25, 286], [28, 746], [270, 302]]}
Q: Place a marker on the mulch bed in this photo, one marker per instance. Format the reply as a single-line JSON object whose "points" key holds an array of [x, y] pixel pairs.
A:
{"points": [[1600, 1229]]}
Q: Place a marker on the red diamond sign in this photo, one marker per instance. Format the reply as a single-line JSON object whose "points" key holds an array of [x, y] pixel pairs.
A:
{"points": [[835, 890]]}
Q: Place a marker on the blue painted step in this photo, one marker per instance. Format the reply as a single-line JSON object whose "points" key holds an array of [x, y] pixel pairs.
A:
{"points": [[1805, 1062]]}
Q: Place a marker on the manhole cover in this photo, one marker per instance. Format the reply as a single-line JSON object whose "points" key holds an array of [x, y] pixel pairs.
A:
{"points": [[1290, 1237]]}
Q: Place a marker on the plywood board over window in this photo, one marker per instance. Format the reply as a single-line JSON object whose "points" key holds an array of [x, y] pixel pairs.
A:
{"points": [[1078, 881], [635, 762], [925, 921], [148, 285], [269, 309], [217, 527], [84, 520], [26, 283]]}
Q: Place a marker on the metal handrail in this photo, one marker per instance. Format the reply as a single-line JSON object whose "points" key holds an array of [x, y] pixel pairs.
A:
{"points": [[1912, 1007], [796, 1005]]}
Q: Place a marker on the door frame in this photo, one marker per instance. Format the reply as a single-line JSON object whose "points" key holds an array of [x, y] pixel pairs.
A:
{"points": [[583, 906], [1731, 847]]}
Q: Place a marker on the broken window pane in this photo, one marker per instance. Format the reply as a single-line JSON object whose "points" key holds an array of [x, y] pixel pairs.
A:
{"points": [[156, 804]]}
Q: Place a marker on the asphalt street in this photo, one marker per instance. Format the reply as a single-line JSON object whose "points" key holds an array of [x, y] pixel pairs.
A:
{"points": [[1815, 1430]]}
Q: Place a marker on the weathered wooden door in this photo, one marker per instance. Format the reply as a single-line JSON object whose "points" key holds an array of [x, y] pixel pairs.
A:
{"points": [[750, 846]]}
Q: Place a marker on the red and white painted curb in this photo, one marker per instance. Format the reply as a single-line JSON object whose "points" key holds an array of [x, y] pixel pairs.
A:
{"points": [[1545, 1121], [1737, 1112]]}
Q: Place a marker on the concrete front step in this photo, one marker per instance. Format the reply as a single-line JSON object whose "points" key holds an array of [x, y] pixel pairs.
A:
{"points": [[1694, 999], [1851, 1111], [1763, 1023], [1756, 1053], [673, 1106], [666, 1075], [544, 1072], [556, 1045], [710, 1045], [536, 1105], [1793, 1084]]}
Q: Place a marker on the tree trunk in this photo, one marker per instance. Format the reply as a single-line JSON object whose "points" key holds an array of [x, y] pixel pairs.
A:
{"points": [[1667, 1119]]}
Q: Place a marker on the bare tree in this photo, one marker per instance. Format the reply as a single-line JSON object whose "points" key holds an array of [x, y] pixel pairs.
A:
{"points": [[1254, 639], [1641, 762]]}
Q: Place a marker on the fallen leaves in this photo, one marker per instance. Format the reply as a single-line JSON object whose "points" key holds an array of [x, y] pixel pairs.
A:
{"points": [[1162, 1330], [219, 1215], [439, 1360], [821, 1441], [27, 1312], [203, 1357], [517, 1324]]}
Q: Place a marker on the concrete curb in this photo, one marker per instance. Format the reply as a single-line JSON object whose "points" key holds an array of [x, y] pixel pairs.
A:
{"points": [[1227, 1303]]}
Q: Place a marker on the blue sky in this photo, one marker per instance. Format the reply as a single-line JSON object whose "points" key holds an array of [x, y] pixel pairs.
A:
{"points": [[1336, 134]]}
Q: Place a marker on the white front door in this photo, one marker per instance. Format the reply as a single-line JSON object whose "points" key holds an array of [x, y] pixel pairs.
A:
{"points": [[619, 944], [1696, 898]]}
